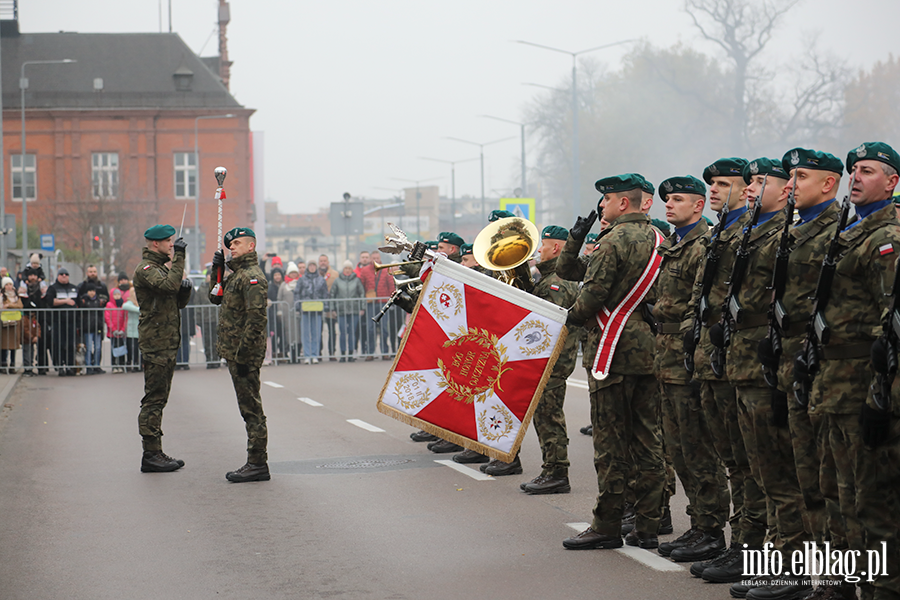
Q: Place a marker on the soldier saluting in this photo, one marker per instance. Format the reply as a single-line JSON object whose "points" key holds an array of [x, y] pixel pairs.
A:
{"points": [[161, 292], [242, 343]]}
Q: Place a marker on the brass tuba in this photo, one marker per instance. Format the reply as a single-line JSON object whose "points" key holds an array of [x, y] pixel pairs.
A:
{"points": [[505, 246]]}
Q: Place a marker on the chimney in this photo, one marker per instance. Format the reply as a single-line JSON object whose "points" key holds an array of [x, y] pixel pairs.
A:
{"points": [[224, 63]]}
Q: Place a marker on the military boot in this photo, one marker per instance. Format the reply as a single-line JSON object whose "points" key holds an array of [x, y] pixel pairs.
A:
{"points": [[155, 461], [423, 436], [501, 468], [741, 588], [249, 472], [665, 523], [666, 548], [470, 457], [790, 588], [587, 430], [539, 479], [647, 541], [548, 485], [728, 567], [444, 447], [708, 545], [628, 517]]}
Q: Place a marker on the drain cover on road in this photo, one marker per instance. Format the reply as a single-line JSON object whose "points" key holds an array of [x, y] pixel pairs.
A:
{"points": [[374, 463]]}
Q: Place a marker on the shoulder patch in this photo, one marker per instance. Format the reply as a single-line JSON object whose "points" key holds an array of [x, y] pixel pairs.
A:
{"points": [[554, 287], [254, 280], [146, 267], [886, 249]]}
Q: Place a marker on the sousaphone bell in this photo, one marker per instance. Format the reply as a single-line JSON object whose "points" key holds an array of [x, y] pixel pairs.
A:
{"points": [[505, 246]]}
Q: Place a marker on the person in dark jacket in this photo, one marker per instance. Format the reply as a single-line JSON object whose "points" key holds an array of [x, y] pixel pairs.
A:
{"points": [[276, 334], [34, 351], [348, 291], [63, 296], [310, 292], [91, 326]]}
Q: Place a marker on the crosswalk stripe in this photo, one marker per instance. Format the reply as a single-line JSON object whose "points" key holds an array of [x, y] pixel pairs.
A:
{"points": [[273, 384], [310, 401], [364, 425], [477, 475]]}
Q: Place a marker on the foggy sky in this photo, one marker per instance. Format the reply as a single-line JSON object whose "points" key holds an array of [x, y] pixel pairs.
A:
{"points": [[350, 93]]}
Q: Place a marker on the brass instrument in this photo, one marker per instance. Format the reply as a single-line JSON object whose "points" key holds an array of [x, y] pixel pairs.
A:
{"points": [[505, 246], [380, 266]]}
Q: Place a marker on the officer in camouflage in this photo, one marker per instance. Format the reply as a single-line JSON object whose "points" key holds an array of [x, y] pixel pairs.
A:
{"points": [[686, 433], [161, 292], [242, 343], [549, 419], [625, 404]]}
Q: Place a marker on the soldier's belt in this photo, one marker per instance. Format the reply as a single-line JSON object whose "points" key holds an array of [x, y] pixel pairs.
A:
{"points": [[749, 321], [846, 351], [667, 328], [796, 329]]}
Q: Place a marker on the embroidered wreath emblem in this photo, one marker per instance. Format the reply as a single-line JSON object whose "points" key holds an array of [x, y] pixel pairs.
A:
{"points": [[535, 335], [474, 364], [445, 297], [411, 391], [497, 426]]}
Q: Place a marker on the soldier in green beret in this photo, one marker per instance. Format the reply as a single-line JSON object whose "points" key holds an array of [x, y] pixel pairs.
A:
{"points": [[496, 215], [161, 292], [242, 343], [449, 243], [466, 258]]}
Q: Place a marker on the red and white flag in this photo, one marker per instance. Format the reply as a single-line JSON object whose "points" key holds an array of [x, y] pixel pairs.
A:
{"points": [[474, 360]]}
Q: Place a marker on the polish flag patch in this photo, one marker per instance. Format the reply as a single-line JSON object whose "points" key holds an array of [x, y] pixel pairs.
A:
{"points": [[252, 281], [554, 287], [146, 267], [886, 249]]}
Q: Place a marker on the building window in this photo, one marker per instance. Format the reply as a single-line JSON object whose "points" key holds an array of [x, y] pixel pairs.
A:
{"points": [[17, 174], [105, 174], [185, 175]]}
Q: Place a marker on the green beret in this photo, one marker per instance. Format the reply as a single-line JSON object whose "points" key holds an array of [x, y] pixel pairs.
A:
{"points": [[496, 215], [235, 233], [619, 183], [873, 151], [465, 249], [663, 226], [811, 159], [765, 166], [554, 232], [590, 238], [159, 232], [646, 185], [681, 185], [431, 244], [725, 167], [448, 237]]}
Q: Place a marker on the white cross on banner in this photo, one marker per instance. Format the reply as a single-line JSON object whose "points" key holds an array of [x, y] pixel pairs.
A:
{"points": [[474, 360]]}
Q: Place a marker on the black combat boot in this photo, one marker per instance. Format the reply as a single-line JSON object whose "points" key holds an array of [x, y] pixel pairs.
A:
{"points": [[499, 468], [665, 522], [728, 567], [470, 457], [444, 447], [666, 548], [587, 430], [548, 484], [591, 540], [708, 545], [628, 517], [155, 461], [785, 588], [249, 472], [647, 541], [423, 436]]}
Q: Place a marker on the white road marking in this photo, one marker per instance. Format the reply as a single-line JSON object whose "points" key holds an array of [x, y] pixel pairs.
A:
{"points": [[364, 425], [310, 401], [578, 383], [645, 557], [477, 475], [273, 384]]}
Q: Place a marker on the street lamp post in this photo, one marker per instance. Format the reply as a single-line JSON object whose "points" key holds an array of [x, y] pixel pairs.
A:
{"points": [[452, 164], [23, 85], [522, 127], [481, 156], [418, 217], [576, 176], [197, 181]]}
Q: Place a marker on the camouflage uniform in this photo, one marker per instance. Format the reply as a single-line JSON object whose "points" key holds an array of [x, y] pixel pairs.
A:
{"points": [[867, 478], [769, 449], [816, 478], [160, 296], [719, 402], [685, 431], [549, 418], [242, 341], [625, 405]]}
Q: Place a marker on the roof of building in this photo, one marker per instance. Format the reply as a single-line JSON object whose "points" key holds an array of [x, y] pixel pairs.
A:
{"points": [[138, 70]]}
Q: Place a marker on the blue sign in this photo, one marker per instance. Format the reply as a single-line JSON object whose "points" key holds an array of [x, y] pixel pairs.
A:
{"points": [[48, 242], [520, 207]]}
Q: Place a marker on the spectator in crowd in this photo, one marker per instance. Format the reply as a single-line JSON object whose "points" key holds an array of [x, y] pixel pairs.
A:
{"points": [[276, 333], [11, 320], [62, 296], [208, 319], [287, 313], [380, 285], [92, 278], [188, 330], [131, 334], [310, 292], [34, 349], [116, 323], [363, 264], [347, 290], [91, 326], [330, 275], [124, 285]]}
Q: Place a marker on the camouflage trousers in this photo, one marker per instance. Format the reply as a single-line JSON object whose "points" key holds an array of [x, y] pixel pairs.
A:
{"points": [[748, 519], [868, 481], [771, 456], [687, 442], [158, 371], [625, 420], [550, 425], [250, 404], [805, 430]]}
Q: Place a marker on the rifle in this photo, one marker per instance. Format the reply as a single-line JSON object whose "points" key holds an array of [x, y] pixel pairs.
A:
{"points": [[817, 331], [732, 313], [890, 331], [779, 320], [702, 310]]}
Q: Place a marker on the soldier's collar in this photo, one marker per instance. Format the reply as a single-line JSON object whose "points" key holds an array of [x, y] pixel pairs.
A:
{"points": [[243, 260], [156, 257], [632, 217], [547, 267]]}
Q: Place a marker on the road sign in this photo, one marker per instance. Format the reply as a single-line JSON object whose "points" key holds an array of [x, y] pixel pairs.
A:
{"points": [[48, 242], [521, 207]]}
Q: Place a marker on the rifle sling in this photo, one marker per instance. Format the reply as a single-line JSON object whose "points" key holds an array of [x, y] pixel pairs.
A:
{"points": [[753, 320], [668, 328]]}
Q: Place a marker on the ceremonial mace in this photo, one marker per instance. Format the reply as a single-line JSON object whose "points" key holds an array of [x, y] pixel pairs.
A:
{"points": [[220, 172]]}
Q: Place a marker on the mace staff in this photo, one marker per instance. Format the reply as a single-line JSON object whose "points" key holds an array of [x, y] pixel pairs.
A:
{"points": [[220, 172]]}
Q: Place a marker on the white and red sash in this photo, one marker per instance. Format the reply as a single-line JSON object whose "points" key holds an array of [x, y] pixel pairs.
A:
{"points": [[612, 323]]}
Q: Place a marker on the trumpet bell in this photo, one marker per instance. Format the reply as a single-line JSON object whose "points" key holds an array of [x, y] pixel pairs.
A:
{"points": [[505, 244]]}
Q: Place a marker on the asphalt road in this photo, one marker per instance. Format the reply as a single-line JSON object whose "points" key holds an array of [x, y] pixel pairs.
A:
{"points": [[349, 512]]}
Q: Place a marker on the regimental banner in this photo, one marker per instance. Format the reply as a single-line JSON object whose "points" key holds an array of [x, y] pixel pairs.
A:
{"points": [[474, 360]]}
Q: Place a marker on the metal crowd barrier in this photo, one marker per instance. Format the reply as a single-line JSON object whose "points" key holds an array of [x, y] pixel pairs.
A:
{"points": [[78, 341]]}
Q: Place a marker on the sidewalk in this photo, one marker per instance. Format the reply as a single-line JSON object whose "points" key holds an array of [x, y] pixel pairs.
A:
{"points": [[7, 385]]}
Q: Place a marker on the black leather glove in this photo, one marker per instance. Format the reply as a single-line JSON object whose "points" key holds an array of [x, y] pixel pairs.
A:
{"points": [[573, 322], [186, 284], [418, 251], [766, 355], [880, 350], [242, 370], [218, 261], [779, 408], [180, 245], [582, 226], [876, 426], [717, 335]]}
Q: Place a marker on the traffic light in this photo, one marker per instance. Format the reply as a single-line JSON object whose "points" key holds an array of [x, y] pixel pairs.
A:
{"points": [[96, 238]]}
